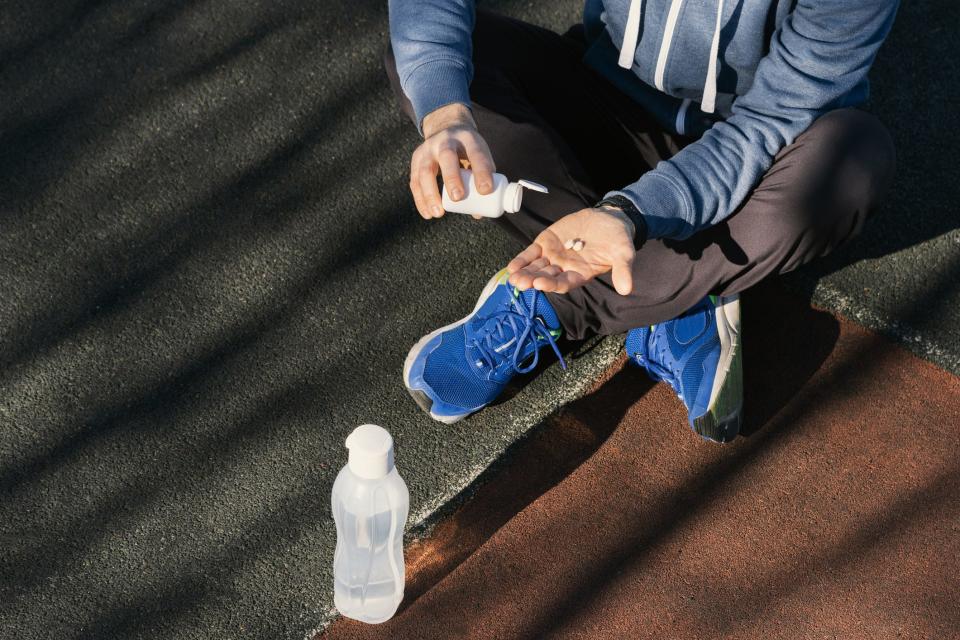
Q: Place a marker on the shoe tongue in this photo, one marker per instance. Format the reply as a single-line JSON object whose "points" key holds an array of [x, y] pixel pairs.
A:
{"points": [[503, 339]]}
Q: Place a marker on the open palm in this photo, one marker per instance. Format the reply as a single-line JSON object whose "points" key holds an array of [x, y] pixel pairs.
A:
{"points": [[552, 264]]}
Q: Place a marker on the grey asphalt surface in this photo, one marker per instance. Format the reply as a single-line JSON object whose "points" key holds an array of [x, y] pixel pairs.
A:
{"points": [[211, 271]]}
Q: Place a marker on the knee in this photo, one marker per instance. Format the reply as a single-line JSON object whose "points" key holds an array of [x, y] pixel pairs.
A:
{"points": [[862, 162], [839, 170]]}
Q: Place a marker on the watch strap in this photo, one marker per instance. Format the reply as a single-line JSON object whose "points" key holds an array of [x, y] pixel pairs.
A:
{"points": [[626, 205]]}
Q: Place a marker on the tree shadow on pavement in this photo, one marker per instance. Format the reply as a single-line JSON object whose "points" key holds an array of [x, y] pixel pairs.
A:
{"points": [[144, 145], [781, 333]]}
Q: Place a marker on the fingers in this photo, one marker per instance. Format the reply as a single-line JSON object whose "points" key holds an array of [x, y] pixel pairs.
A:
{"points": [[424, 165], [549, 279], [570, 280], [524, 278], [427, 178], [442, 152], [524, 258], [418, 197], [420, 164], [481, 163], [555, 280], [449, 161], [546, 278], [623, 277]]}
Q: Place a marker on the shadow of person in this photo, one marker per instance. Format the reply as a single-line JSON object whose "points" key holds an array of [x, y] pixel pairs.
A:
{"points": [[785, 341]]}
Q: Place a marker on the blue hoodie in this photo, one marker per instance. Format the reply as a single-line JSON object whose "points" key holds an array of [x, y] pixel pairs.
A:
{"points": [[747, 76]]}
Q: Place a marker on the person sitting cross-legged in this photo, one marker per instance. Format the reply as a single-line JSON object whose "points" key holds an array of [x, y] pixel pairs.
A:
{"points": [[690, 150]]}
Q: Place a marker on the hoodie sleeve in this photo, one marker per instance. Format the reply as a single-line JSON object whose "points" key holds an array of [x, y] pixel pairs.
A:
{"points": [[818, 61], [431, 42]]}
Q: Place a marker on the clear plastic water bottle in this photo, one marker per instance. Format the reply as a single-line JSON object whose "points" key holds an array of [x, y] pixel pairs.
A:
{"points": [[370, 504]]}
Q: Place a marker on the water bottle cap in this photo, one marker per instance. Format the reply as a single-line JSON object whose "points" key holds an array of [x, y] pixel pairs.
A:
{"points": [[371, 451]]}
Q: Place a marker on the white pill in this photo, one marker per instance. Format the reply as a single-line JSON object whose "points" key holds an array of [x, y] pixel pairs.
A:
{"points": [[578, 245]]}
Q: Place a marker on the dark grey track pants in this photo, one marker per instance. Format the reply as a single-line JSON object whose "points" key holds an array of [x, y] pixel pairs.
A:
{"points": [[549, 118]]}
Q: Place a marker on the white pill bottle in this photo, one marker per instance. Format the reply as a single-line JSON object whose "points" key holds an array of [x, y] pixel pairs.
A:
{"points": [[505, 197], [370, 504]]}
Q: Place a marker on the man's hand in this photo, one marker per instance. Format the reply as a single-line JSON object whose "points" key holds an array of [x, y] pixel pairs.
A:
{"points": [[450, 134], [552, 262]]}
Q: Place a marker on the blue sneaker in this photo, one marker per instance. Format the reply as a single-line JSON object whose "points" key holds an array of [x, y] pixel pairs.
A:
{"points": [[462, 367], [700, 356]]}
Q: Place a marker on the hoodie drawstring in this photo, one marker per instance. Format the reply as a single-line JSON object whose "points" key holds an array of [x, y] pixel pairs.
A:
{"points": [[709, 102], [628, 50]]}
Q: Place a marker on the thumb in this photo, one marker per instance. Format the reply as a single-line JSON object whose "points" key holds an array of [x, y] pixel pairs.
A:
{"points": [[623, 277]]}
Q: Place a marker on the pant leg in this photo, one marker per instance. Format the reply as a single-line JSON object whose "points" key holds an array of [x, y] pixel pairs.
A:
{"points": [[816, 196]]}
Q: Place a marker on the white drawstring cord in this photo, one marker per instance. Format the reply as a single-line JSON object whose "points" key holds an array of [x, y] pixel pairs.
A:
{"points": [[709, 102], [668, 30], [628, 50]]}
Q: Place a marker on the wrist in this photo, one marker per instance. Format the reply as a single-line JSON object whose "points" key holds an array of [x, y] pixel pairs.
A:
{"points": [[619, 214], [629, 212], [451, 115]]}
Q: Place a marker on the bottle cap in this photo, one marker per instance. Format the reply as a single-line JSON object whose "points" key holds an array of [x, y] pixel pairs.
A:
{"points": [[371, 451], [513, 194]]}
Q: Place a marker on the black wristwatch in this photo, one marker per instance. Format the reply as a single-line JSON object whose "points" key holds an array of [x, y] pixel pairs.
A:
{"points": [[626, 205]]}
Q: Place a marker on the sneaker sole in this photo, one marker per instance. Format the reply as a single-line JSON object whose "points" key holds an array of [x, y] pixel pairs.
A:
{"points": [[419, 395], [723, 418]]}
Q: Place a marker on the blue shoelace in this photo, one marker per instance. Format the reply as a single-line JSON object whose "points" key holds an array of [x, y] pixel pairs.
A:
{"points": [[525, 326]]}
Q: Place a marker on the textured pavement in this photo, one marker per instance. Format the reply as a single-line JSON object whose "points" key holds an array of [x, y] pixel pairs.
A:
{"points": [[210, 272]]}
